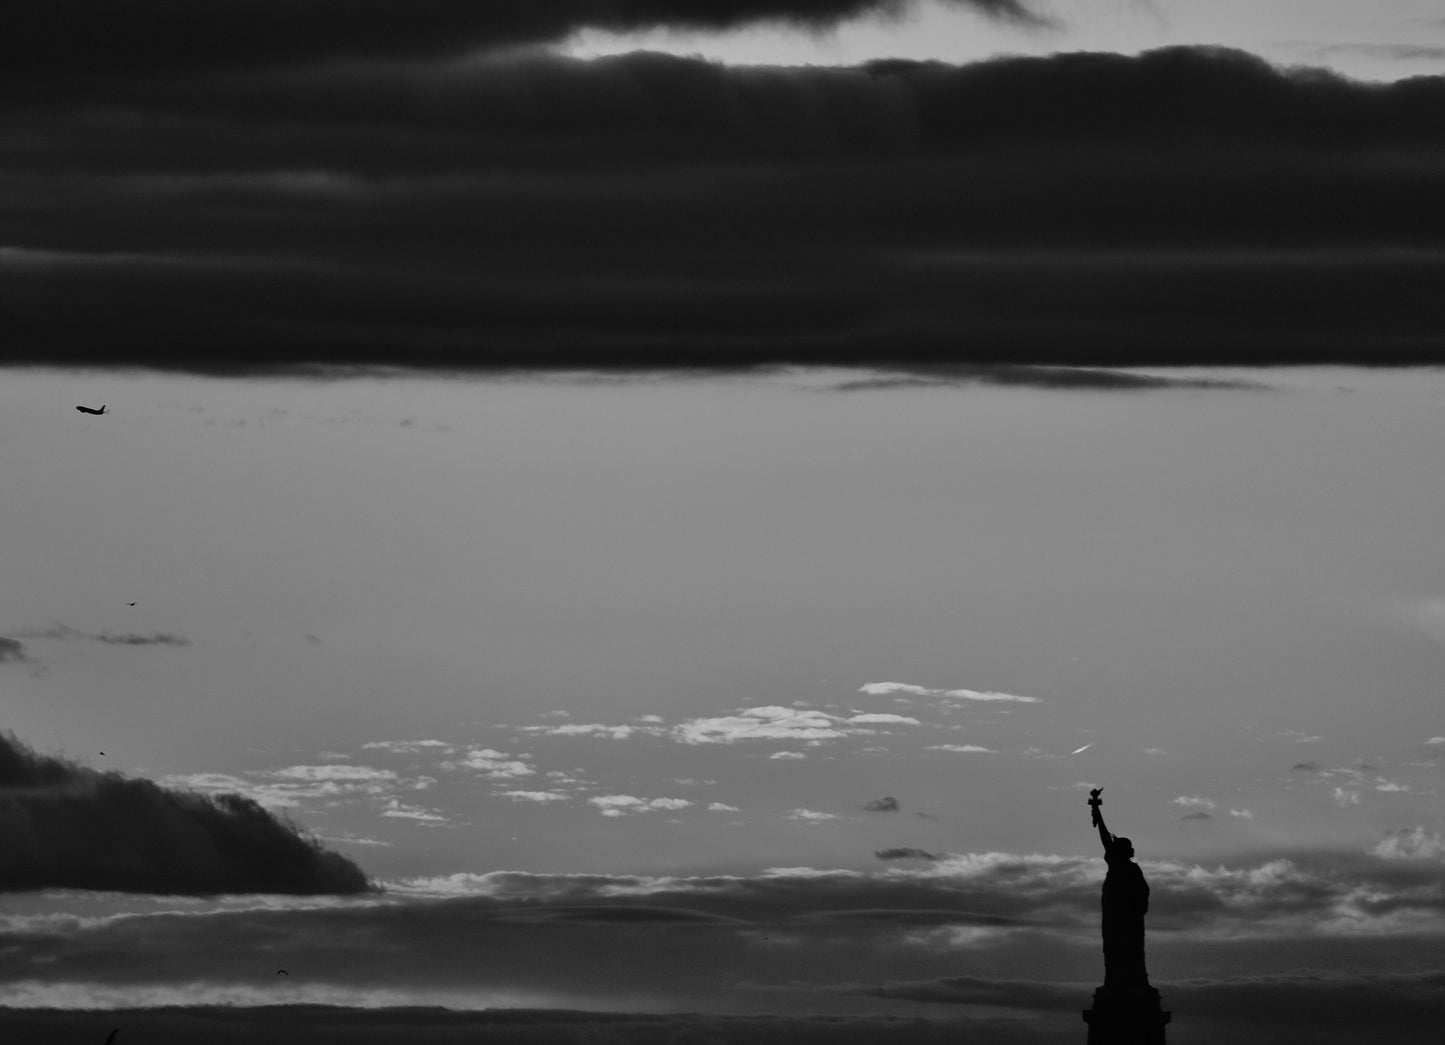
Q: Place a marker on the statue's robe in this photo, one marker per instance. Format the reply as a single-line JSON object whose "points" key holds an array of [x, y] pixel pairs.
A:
{"points": [[1126, 899]]}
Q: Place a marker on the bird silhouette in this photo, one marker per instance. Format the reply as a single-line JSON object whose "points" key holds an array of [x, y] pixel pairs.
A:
{"points": [[130, 604], [88, 410], [282, 972]]}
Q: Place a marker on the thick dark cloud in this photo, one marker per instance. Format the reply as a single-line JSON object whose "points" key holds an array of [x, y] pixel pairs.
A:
{"points": [[148, 36], [1005, 933], [1189, 205], [906, 853], [63, 825], [325, 1025], [11, 650], [886, 804]]}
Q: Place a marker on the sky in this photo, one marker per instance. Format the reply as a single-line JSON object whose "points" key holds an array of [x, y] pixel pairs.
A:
{"points": [[646, 525]]}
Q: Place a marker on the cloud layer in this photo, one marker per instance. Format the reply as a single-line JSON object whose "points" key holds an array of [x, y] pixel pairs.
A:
{"points": [[149, 36], [1189, 205], [1012, 933], [65, 826]]}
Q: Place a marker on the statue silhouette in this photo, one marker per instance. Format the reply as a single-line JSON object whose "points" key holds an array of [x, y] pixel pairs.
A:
{"points": [[1126, 1008], [1125, 902]]}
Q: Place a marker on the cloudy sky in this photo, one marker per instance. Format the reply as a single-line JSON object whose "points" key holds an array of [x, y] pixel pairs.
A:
{"points": [[661, 508]]}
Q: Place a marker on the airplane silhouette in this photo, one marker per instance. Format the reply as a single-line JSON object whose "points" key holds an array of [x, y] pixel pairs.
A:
{"points": [[88, 410]]}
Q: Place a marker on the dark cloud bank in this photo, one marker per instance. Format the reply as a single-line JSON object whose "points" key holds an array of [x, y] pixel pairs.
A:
{"points": [[63, 825], [356, 205], [147, 36], [318, 1024], [993, 948]]}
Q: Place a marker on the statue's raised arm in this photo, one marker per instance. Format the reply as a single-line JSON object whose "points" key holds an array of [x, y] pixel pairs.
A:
{"points": [[1094, 803]]}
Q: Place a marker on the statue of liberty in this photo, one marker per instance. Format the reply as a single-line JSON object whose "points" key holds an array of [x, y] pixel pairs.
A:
{"points": [[1126, 1008], [1126, 901]]}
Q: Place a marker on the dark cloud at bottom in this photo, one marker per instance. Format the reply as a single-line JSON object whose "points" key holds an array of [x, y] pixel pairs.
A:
{"points": [[64, 825], [1289, 1019], [315, 1025]]}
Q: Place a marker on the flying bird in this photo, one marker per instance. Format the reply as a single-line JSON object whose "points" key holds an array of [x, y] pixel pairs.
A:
{"points": [[88, 410], [282, 972]]}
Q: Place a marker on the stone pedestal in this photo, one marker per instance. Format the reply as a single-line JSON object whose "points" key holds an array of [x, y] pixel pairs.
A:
{"points": [[1126, 1017]]}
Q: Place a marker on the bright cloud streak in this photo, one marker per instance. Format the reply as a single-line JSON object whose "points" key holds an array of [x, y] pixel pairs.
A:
{"points": [[535, 796], [882, 689], [760, 723]]}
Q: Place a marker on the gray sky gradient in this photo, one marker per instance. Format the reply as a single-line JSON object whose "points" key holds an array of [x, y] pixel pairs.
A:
{"points": [[550, 625]]}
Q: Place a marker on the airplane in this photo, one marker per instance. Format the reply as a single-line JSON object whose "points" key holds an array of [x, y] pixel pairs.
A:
{"points": [[88, 410]]}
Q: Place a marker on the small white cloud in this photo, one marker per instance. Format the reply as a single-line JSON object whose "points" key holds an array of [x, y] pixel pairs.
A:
{"points": [[810, 815], [421, 783], [1195, 802], [353, 840], [333, 773], [880, 689], [616, 801], [759, 723], [1347, 796], [962, 748], [1436, 741], [1390, 785], [722, 807], [395, 808], [884, 718], [207, 782], [1243, 814], [1411, 843], [617, 805], [494, 764], [593, 729], [409, 746], [650, 718], [1301, 738], [787, 754], [535, 796]]}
